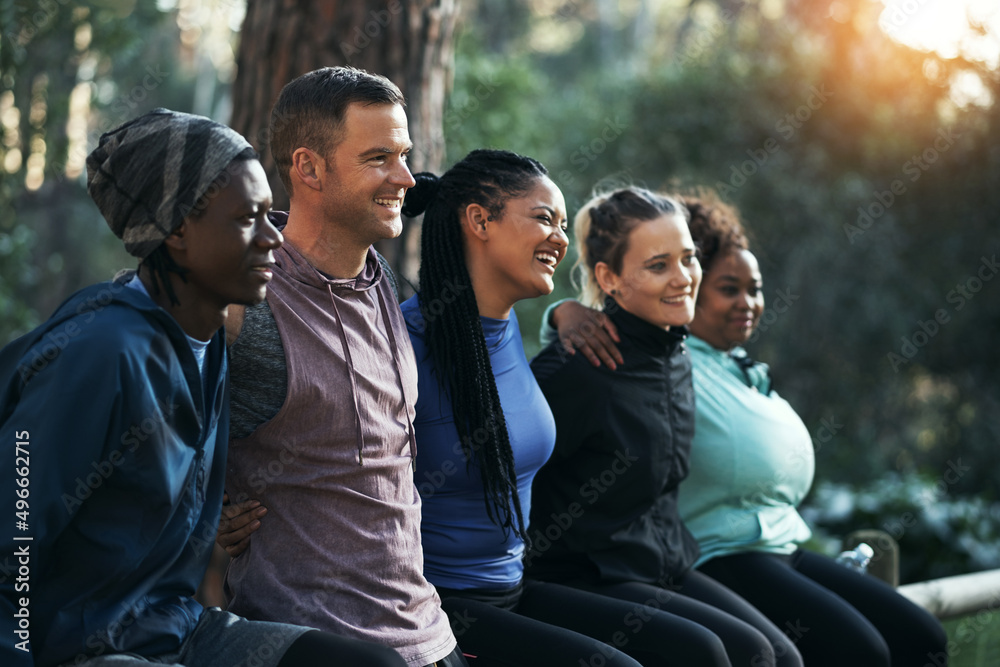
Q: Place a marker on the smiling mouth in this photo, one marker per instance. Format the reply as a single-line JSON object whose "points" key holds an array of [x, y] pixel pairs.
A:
{"points": [[675, 300], [548, 259], [393, 204]]}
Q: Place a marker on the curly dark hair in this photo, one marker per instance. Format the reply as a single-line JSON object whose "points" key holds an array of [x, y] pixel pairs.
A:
{"points": [[715, 226]]}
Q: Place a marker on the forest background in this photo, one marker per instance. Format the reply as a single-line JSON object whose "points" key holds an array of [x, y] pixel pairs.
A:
{"points": [[866, 169]]}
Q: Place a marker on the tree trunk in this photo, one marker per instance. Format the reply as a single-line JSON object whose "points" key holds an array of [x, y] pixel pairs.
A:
{"points": [[408, 41]]}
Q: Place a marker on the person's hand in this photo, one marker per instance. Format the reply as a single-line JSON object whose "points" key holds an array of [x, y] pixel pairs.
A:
{"points": [[589, 331], [237, 523]]}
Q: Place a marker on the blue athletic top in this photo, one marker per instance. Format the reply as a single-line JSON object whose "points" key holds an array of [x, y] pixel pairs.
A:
{"points": [[462, 547]]}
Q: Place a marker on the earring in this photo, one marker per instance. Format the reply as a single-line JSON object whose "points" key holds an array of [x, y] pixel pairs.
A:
{"points": [[614, 292]]}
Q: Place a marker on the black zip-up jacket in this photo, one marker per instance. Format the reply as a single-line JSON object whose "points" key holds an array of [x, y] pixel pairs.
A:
{"points": [[604, 507]]}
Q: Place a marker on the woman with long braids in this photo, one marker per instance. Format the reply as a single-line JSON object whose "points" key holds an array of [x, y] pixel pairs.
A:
{"points": [[493, 234]]}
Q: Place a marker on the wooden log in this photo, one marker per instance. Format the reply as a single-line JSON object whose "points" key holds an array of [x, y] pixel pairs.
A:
{"points": [[960, 595]]}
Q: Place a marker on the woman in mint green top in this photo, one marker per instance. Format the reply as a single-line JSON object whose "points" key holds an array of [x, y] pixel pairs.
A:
{"points": [[752, 463], [751, 460]]}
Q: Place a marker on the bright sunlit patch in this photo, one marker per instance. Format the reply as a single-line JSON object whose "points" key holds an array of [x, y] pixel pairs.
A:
{"points": [[967, 88], [943, 26]]}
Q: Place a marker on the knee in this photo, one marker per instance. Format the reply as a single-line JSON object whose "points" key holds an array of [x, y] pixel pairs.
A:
{"points": [[786, 654], [714, 652], [931, 644], [707, 648], [685, 643], [864, 649], [758, 647]]}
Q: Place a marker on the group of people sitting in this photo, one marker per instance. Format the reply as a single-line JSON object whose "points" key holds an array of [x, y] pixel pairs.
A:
{"points": [[404, 488]]}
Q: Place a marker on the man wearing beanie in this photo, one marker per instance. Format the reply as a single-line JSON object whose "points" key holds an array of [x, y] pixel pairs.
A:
{"points": [[114, 421]]}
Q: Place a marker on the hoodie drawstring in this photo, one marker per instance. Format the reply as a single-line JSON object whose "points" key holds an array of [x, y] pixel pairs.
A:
{"points": [[350, 374], [399, 374]]}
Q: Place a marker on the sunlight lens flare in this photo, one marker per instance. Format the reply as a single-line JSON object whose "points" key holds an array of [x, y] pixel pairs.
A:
{"points": [[943, 26]]}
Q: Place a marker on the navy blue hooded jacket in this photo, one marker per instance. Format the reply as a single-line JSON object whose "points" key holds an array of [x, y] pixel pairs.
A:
{"points": [[113, 462]]}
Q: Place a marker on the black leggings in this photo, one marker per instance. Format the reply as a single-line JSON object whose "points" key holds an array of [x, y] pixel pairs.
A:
{"points": [[739, 634], [504, 632], [633, 622], [316, 648], [322, 649], [836, 616]]}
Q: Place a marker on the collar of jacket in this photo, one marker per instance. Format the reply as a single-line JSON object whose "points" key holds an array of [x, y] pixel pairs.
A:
{"points": [[644, 335]]}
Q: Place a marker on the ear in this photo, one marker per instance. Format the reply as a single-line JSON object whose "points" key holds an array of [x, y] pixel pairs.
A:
{"points": [[177, 241], [476, 217], [308, 168], [608, 280]]}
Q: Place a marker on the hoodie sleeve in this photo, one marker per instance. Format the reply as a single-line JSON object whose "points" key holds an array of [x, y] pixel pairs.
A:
{"points": [[58, 418]]}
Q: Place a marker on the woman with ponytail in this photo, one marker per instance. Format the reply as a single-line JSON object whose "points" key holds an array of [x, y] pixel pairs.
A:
{"points": [[494, 231]]}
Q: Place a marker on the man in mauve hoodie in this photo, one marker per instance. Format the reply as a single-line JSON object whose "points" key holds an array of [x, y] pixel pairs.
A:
{"points": [[324, 386]]}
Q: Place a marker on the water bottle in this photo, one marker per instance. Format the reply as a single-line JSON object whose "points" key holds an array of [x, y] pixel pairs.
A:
{"points": [[857, 559]]}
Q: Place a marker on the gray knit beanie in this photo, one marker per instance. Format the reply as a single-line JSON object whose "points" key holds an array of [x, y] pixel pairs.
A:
{"points": [[147, 175]]}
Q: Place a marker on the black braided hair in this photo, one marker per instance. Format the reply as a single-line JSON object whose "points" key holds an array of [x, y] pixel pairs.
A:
{"points": [[454, 334], [159, 262], [602, 226]]}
